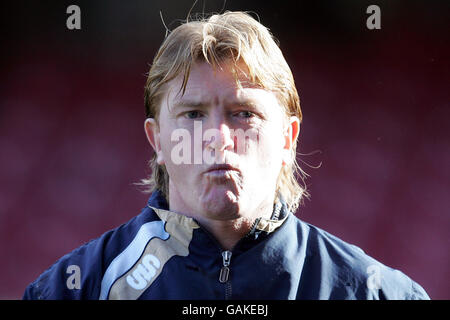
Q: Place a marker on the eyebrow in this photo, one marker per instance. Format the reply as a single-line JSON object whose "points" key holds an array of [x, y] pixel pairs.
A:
{"points": [[201, 104], [189, 104]]}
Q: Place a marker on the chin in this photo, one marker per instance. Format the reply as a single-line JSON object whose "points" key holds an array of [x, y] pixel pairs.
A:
{"points": [[224, 206]]}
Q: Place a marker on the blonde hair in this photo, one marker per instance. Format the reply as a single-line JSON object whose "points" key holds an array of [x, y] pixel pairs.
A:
{"points": [[236, 37]]}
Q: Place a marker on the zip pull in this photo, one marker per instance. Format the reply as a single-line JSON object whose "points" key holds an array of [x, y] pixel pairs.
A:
{"points": [[225, 271]]}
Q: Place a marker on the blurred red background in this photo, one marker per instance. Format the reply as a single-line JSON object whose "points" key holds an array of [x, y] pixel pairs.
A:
{"points": [[376, 105]]}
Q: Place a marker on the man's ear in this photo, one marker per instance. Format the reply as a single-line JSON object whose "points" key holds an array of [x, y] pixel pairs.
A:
{"points": [[151, 128], [290, 136]]}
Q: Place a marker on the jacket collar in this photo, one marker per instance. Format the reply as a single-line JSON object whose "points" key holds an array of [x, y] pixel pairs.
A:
{"points": [[158, 200], [159, 204], [279, 215]]}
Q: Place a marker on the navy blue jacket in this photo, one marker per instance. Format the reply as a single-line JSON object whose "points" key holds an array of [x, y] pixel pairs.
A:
{"points": [[160, 254]]}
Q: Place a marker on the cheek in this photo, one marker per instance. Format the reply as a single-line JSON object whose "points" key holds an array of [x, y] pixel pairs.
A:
{"points": [[166, 146], [177, 149], [266, 151], [173, 143]]}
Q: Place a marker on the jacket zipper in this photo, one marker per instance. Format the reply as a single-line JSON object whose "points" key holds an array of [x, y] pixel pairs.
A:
{"points": [[224, 276], [225, 273]]}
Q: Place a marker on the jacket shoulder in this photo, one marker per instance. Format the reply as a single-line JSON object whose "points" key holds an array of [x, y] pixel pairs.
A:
{"points": [[347, 272], [78, 274]]}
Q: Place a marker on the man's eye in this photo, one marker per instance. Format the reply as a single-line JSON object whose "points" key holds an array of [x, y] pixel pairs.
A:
{"points": [[246, 114], [192, 114]]}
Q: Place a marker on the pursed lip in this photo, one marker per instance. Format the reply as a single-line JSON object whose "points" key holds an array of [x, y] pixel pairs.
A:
{"points": [[224, 167]]}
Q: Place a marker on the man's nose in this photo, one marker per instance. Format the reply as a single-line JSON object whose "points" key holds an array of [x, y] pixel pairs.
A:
{"points": [[219, 136]]}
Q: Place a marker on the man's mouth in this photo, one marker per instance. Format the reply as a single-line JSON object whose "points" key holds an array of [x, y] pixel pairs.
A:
{"points": [[220, 170]]}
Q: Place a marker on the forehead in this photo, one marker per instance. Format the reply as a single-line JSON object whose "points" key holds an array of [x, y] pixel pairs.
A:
{"points": [[220, 85]]}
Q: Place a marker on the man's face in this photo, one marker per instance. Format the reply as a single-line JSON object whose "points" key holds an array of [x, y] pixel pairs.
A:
{"points": [[223, 146]]}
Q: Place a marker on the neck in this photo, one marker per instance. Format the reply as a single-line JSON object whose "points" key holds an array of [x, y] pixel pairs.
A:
{"points": [[229, 231]]}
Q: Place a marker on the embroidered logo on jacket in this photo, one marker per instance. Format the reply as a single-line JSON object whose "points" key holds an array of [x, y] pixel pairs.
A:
{"points": [[144, 272], [139, 265]]}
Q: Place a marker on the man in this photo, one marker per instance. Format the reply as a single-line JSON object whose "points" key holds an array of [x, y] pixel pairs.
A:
{"points": [[223, 119]]}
